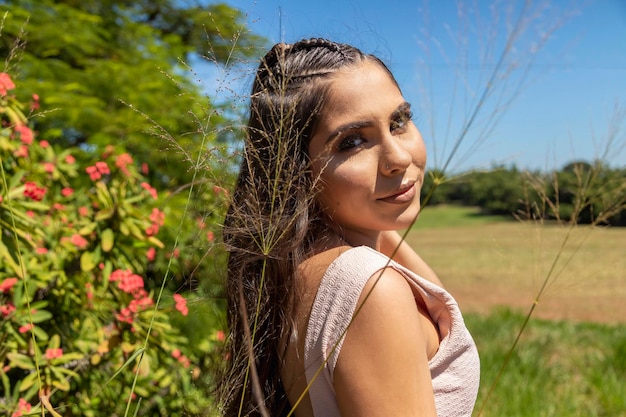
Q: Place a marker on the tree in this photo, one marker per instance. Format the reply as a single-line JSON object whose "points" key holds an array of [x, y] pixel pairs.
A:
{"points": [[115, 72]]}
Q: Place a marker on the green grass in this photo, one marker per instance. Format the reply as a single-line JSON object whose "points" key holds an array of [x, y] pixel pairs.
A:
{"points": [[560, 368], [452, 216]]}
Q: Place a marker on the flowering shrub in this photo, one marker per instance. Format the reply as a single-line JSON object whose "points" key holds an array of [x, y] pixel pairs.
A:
{"points": [[82, 328]]}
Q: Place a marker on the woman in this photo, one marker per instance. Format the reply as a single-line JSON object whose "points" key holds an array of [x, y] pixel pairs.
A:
{"points": [[322, 322]]}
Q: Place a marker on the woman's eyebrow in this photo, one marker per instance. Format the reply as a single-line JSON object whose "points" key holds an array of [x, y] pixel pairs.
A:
{"points": [[401, 110], [347, 127]]}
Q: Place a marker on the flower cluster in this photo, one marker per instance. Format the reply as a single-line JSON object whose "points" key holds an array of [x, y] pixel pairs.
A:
{"points": [[23, 408], [54, 353], [157, 217], [181, 304], [33, 191], [6, 84], [122, 162], [177, 354], [98, 170], [131, 284]]}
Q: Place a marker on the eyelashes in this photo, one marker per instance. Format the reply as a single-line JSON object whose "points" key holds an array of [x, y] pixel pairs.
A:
{"points": [[349, 142]]}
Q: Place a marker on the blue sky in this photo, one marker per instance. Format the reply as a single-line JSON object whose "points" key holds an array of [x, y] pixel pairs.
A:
{"points": [[562, 111]]}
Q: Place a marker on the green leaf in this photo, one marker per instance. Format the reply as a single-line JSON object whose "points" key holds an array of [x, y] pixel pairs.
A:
{"points": [[85, 230], [55, 342], [104, 214], [87, 262], [20, 360], [40, 316], [28, 381], [107, 239]]}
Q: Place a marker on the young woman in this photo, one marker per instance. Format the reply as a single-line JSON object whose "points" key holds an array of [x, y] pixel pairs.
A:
{"points": [[330, 313]]}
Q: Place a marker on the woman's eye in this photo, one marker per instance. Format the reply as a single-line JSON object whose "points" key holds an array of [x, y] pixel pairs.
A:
{"points": [[401, 122], [349, 142]]}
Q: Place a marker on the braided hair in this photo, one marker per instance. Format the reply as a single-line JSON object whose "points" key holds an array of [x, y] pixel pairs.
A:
{"points": [[273, 223]]}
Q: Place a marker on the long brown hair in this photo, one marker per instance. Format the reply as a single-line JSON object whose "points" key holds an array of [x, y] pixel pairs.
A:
{"points": [[273, 222]]}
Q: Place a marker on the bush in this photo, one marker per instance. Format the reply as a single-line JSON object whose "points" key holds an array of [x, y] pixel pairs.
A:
{"points": [[82, 330]]}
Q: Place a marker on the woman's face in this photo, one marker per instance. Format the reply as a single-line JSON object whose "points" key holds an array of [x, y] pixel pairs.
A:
{"points": [[369, 155]]}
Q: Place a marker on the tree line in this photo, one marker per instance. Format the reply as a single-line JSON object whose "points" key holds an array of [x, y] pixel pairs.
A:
{"points": [[581, 192]]}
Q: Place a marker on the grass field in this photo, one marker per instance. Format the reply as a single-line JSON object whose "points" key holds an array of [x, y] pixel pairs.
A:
{"points": [[560, 368], [571, 359], [486, 262]]}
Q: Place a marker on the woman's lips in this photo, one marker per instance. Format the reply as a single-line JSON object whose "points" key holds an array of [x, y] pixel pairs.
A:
{"points": [[404, 196]]}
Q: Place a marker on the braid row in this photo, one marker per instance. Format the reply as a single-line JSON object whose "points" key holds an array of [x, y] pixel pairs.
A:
{"points": [[287, 66]]}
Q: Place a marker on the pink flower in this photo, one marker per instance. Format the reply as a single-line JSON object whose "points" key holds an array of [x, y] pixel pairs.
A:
{"points": [[34, 192], [48, 167], [44, 144], [125, 316], [41, 251], [145, 169], [5, 310], [23, 406], [5, 83], [130, 283], [122, 161], [157, 216], [127, 281], [26, 135], [67, 191], [34, 105], [103, 168], [54, 353], [93, 172], [26, 328], [181, 304], [158, 219], [182, 359], [70, 159], [220, 336], [21, 152], [30, 213], [83, 211], [79, 241], [98, 170], [210, 236], [151, 254], [150, 189], [7, 284]]}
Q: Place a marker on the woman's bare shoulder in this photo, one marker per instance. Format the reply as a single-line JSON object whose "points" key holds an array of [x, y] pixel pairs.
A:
{"points": [[312, 269]]}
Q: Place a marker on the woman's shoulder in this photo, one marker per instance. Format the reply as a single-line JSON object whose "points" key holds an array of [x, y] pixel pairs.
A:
{"points": [[340, 261]]}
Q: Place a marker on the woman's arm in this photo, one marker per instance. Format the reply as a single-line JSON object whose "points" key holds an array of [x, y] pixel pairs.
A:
{"points": [[382, 369], [406, 256]]}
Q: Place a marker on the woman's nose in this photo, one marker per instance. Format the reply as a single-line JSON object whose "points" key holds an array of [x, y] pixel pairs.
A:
{"points": [[395, 157]]}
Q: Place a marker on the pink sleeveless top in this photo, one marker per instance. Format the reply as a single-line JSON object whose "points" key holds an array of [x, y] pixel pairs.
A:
{"points": [[455, 368]]}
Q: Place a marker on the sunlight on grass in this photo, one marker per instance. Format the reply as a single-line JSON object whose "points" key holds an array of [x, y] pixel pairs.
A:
{"points": [[432, 217]]}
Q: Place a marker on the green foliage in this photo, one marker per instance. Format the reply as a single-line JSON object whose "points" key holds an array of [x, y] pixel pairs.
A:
{"points": [[84, 325], [110, 72], [578, 193]]}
